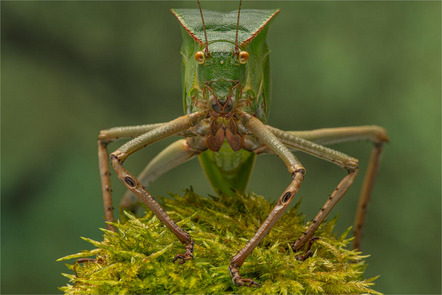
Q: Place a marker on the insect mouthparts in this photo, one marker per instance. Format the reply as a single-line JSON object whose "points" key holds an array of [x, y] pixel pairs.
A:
{"points": [[222, 105]]}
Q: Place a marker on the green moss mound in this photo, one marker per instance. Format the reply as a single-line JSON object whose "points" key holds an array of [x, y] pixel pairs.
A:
{"points": [[138, 259]]}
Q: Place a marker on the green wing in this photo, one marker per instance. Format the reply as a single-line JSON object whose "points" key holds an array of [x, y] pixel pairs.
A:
{"points": [[226, 169]]}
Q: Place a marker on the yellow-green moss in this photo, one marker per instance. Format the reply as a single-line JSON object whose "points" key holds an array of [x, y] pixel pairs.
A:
{"points": [[138, 259]]}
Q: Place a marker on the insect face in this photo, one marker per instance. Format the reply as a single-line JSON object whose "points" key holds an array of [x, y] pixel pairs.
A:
{"points": [[223, 75]]}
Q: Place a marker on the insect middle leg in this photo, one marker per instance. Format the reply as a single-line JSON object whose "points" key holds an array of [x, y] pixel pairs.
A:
{"points": [[104, 138], [279, 141], [377, 135]]}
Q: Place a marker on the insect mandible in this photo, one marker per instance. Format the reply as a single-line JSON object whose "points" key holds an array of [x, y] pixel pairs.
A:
{"points": [[226, 87]]}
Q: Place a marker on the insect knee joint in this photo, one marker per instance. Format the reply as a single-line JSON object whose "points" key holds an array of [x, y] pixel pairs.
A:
{"points": [[298, 174], [104, 138], [118, 156], [352, 166], [300, 170]]}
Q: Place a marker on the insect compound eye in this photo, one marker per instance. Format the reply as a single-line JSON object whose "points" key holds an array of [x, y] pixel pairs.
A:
{"points": [[243, 57], [199, 57]]}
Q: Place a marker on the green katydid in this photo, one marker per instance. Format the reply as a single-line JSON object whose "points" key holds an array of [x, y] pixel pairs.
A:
{"points": [[226, 89]]}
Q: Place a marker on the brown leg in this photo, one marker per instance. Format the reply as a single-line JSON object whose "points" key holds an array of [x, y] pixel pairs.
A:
{"points": [[364, 199], [334, 198], [295, 169], [103, 159], [282, 204], [137, 188], [342, 160], [377, 135], [133, 184], [104, 138], [308, 253], [172, 156]]}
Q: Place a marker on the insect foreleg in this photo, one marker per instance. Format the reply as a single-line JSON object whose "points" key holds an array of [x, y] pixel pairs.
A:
{"points": [[295, 169], [377, 135], [121, 154], [174, 155], [104, 138], [338, 158]]}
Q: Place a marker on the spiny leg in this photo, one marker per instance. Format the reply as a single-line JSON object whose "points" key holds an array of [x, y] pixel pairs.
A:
{"points": [[103, 162], [172, 156], [308, 253], [295, 169], [104, 138], [329, 136], [123, 152], [282, 204], [365, 196], [334, 198], [333, 156], [377, 135], [136, 187]]}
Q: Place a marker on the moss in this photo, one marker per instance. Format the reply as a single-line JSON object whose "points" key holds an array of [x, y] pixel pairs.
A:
{"points": [[138, 259]]}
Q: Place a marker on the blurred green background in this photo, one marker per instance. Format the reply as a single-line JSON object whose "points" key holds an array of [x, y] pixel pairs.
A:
{"points": [[72, 68]]}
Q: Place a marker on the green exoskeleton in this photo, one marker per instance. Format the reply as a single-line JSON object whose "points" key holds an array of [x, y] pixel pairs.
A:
{"points": [[226, 89]]}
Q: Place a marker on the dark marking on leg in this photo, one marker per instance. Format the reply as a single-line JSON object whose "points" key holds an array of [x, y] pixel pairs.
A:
{"points": [[129, 181], [286, 197]]}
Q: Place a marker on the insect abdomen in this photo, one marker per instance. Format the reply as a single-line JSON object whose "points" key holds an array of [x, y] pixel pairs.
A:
{"points": [[226, 169]]}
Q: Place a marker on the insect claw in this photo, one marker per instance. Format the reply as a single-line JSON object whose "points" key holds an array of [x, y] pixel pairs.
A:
{"points": [[308, 253], [238, 280], [179, 256], [182, 258], [187, 256], [304, 257], [252, 283]]}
